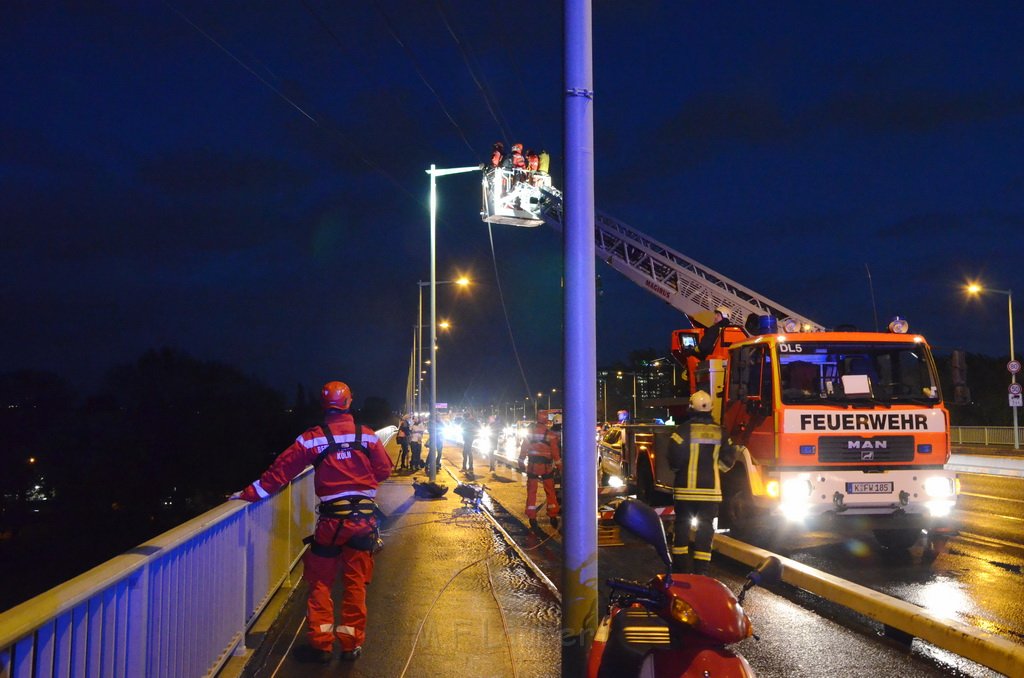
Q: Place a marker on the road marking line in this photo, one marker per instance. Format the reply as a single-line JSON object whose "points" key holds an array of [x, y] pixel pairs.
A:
{"points": [[993, 515], [989, 496], [970, 536]]}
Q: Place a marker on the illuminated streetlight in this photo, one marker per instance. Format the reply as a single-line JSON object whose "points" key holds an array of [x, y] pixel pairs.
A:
{"points": [[977, 289], [461, 281], [434, 452], [619, 375]]}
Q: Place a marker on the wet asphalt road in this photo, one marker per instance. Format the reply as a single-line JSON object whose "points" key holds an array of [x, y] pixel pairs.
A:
{"points": [[975, 579], [801, 635]]}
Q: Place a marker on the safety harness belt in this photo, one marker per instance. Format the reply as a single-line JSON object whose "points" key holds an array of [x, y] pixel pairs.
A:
{"points": [[356, 507], [332, 445]]}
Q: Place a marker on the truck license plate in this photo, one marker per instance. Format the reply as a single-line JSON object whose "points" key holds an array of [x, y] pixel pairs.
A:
{"points": [[869, 488]]}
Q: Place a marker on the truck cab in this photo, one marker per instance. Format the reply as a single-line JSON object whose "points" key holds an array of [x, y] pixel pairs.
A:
{"points": [[634, 457], [837, 425]]}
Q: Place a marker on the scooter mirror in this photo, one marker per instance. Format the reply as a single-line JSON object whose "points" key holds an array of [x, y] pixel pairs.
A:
{"points": [[768, 572], [641, 520]]}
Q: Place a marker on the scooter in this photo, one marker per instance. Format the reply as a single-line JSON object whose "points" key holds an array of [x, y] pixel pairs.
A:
{"points": [[675, 624]]}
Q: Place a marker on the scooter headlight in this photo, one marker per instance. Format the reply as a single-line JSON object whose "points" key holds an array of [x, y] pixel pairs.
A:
{"points": [[682, 612]]}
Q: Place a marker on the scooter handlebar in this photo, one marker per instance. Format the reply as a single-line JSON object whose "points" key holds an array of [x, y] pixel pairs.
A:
{"points": [[634, 587]]}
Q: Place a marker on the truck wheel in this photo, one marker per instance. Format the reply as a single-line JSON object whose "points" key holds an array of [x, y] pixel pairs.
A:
{"points": [[738, 511], [898, 540]]}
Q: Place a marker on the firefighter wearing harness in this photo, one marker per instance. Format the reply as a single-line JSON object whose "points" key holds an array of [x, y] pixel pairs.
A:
{"points": [[697, 453], [538, 456], [349, 462]]}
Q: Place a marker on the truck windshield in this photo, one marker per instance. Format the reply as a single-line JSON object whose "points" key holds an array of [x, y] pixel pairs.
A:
{"points": [[848, 372]]}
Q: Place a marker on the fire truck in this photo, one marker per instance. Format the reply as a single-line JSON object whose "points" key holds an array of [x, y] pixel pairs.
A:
{"points": [[837, 430]]}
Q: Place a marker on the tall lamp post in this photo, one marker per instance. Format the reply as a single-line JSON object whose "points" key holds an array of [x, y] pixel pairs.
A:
{"points": [[433, 455], [976, 289], [619, 375], [462, 281]]}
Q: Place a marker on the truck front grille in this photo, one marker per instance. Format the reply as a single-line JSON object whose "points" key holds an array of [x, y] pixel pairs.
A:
{"points": [[858, 449]]}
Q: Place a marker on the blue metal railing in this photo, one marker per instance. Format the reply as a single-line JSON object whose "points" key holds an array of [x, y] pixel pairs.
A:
{"points": [[176, 606]]}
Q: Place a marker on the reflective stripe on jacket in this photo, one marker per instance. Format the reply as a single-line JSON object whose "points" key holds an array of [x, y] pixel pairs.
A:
{"points": [[540, 446], [347, 471], [693, 453]]}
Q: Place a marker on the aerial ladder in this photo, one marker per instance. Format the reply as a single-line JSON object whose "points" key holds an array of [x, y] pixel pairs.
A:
{"points": [[676, 279], [841, 430]]}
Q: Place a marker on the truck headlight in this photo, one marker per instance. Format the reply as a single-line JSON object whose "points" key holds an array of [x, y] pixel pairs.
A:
{"points": [[795, 493], [796, 489], [939, 486], [940, 508]]}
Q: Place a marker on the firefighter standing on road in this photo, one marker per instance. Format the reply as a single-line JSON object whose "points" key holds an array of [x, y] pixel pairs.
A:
{"points": [[697, 453], [539, 454], [349, 461]]}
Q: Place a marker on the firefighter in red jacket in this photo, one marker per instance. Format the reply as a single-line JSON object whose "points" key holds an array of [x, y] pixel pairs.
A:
{"points": [[349, 464], [539, 455]]}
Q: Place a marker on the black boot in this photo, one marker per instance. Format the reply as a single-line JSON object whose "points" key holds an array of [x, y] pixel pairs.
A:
{"points": [[308, 654], [681, 565]]}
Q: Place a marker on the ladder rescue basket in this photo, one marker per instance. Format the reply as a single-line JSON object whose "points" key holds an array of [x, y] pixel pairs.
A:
{"points": [[513, 197]]}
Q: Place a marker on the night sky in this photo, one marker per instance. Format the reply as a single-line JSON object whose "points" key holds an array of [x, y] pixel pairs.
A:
{"points": [[244, 181]]}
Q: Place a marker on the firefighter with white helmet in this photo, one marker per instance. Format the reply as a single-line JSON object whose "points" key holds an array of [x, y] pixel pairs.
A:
{"points": [[349, 463], [697, 453]]}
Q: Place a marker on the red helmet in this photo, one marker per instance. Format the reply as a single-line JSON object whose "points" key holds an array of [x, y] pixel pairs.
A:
{"points": [[335, 395]]}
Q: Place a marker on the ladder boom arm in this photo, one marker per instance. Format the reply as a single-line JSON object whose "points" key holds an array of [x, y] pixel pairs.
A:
{"points": [[678, 280]]}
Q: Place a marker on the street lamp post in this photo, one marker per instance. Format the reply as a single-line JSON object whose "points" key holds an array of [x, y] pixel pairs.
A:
{"points": [[434, 453], [975, 288], [462, 281], [619, 374]]}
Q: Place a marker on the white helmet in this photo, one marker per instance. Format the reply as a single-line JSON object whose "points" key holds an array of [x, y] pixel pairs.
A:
{"points": [[724, 310], [700, 402]]}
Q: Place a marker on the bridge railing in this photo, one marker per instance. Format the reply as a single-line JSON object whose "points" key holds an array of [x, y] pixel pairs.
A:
{"points": [[981, 435], [176, 606]]}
